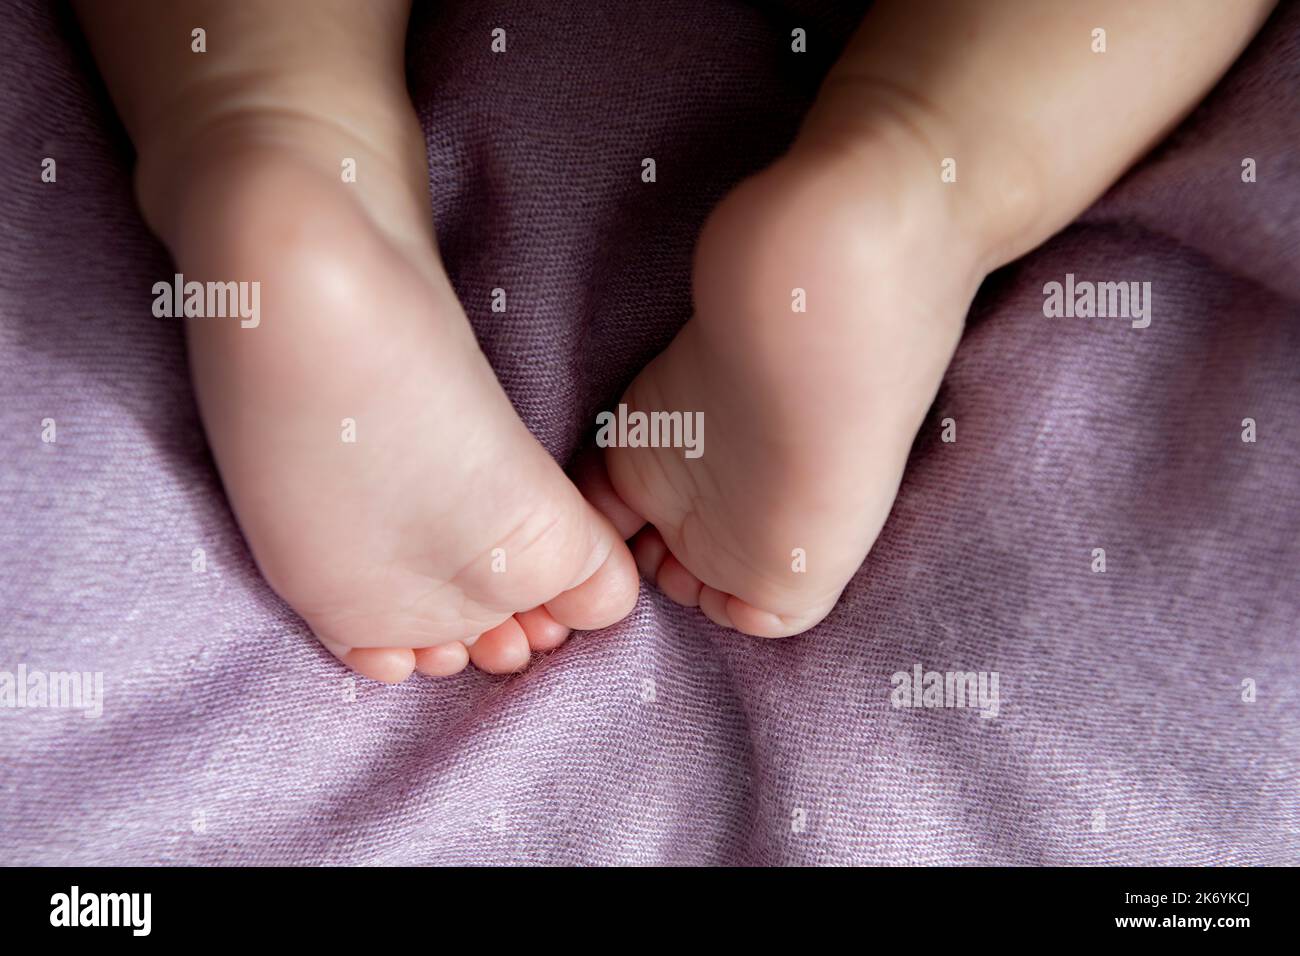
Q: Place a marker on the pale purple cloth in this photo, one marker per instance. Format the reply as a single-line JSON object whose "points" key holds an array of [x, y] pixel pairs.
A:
{"points": [[1123, 736]]}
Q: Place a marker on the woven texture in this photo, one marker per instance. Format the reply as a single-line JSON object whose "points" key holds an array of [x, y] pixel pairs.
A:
{"points": [[229, 736]]}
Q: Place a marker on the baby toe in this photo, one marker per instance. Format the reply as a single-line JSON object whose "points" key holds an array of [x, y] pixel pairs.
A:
{"points": [[679, 584], [392, 665], [544, 632], [714, 605], [502, 650], [442, 660], [649, 550]]}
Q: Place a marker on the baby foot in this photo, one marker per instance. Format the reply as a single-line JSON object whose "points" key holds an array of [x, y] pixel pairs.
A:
{"points": [[830, 292], [384, 483]]}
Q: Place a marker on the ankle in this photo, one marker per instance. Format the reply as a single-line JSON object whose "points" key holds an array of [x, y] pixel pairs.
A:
{"points": [[321, 121], [984, 192], [179, 180], [171, 172]]}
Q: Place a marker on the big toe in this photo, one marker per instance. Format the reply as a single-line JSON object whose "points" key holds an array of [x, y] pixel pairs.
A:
{"points": [[607, 594]]}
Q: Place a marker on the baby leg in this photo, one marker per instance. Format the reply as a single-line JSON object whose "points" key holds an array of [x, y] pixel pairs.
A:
{"points": [[831, 288], [386, 487]]}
